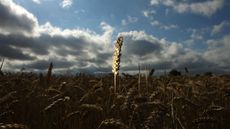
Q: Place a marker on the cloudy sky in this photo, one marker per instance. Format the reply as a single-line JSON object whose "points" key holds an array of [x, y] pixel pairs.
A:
{"points": [[79, 35]]}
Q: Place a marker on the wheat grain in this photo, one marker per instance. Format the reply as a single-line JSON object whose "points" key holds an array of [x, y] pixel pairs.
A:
{"points": [[13, 126], [112, 124]]}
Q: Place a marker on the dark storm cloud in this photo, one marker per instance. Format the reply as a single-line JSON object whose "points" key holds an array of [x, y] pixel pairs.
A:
{"points": [[43, 64], [35, 44], [93, 69], [141, 47], [199, 62], [100, 58], [78, 48], [13, 53], [41, 45], [161, 65], [61, 41]]}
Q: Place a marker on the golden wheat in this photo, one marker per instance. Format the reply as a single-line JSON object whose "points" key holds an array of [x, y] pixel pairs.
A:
{"points": [[116, 60]]}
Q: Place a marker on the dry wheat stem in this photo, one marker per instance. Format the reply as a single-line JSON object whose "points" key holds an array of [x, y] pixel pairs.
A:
{"points": [[2, 64], [116, 61], [139, 79]]}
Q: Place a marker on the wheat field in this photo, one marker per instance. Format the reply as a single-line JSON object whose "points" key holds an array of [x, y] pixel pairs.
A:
{"points": [[29, 101]]}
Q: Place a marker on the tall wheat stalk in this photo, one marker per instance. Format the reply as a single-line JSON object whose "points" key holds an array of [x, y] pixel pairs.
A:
{"points": [[116, 61], [139, 79], [49, 74]]}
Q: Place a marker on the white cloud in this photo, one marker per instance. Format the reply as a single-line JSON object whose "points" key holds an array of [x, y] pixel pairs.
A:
{"points": [[218, 51], [129, 20], [168, 27], [154, 2], [165, 2], [66, 3], [219, 27], [108, 33], [196, 34], [149, 13], [166, 12], [145, 13], [155, 23], [205, 8], [79, 11], [163, 26], [37, 1], [181, 7]]}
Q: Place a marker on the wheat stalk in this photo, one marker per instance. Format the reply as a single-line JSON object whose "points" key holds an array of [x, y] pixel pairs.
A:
{"points": [[116, 61], [49, 74], [139, 79], [2, 64], [1, 73]]}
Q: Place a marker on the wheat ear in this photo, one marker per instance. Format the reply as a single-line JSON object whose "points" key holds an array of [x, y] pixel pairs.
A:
{"points": [[116, 60]]}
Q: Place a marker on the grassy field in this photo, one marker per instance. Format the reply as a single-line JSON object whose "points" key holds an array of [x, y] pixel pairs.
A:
{"points": [[34, 101]]}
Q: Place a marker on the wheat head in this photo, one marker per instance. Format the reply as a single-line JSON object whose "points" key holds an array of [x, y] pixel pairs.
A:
{"points": [[116, 60]]}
